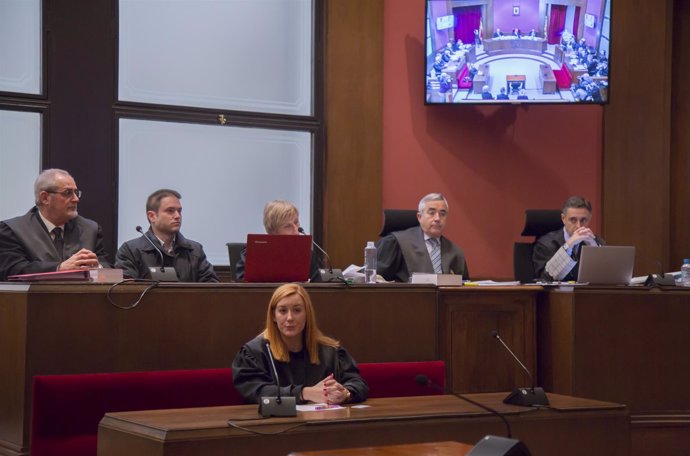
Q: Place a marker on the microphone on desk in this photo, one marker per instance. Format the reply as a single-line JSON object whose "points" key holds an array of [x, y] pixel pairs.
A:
{"points": [[330, 274], [527, 397], [159, 274], [489, 445], [276, 405], [658, 280]]}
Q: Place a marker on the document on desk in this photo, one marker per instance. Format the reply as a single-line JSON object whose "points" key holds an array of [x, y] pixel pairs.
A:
{"points": [[491, 283], [318, 407]]}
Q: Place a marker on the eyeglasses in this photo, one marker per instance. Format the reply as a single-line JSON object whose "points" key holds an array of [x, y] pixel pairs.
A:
{"points": [[67, 193]]}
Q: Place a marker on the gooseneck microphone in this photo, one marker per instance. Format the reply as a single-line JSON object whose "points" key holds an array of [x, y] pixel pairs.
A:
{"points": [[330, 275], [160, 274], [527, 397], [276, 406], [328, 258], [160, 254], [489, 445], [423, 380]]}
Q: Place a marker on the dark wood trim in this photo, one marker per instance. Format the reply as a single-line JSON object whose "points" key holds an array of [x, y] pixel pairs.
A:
{"points": [[636, 161], [354, 133]]}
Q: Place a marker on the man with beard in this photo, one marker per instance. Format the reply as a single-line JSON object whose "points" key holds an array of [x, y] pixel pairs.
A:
{"points": [[137, 256], [52, 236]]}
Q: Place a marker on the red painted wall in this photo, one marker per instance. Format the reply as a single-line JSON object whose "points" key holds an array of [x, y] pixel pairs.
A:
{"points": [[491, 162]]}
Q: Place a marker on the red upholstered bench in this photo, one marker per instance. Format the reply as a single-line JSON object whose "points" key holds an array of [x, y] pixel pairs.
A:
{"points": [[462, 83], [68, 408], [399, 379], [563, 78]]}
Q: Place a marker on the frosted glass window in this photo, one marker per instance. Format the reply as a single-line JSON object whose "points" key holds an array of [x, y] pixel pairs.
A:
{"points": [[20, 161], [247, 55], [20, 46], [225, 175]]}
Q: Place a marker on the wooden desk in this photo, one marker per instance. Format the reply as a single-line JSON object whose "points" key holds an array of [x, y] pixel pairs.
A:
{"points": [[590, 427], [510, 45], [519, 79], [626, 345], [72, 329], [547, 79], [481, 79], [410, 449]]}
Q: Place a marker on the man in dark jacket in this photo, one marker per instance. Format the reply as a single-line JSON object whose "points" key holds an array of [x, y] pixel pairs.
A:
{"points": [[52, 236], [137, 256]]}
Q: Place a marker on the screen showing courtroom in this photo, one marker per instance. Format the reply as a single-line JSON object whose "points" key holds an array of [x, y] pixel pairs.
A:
{"points": [[507, 51]]}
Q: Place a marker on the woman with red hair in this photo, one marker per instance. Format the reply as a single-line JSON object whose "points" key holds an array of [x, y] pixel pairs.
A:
{"points": [[311, 366]]}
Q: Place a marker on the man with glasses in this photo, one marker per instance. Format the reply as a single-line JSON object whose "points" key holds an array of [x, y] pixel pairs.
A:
{"points": [[52, 236], [421, 248]]}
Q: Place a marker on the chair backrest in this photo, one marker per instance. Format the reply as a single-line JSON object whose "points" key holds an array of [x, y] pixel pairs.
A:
{"points": [[538, 222], [400, 379], [398, 220], [234, 253]]}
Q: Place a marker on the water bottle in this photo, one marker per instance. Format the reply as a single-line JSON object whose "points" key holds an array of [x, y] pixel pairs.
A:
{"points": [[370, 263], [685, 273]]}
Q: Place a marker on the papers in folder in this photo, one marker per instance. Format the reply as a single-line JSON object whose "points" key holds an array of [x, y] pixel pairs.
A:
{"points": [[441, 280], [492, 283]]}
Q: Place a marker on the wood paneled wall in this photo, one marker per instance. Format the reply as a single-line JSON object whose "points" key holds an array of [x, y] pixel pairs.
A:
{"points": [[637, 187], [354, 124], [680, 136]]}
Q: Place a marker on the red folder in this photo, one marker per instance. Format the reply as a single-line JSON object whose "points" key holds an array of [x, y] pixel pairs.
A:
{"points": [[70, 274]]}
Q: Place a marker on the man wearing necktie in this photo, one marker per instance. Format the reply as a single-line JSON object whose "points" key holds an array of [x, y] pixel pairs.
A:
{"points": [[52, 236], [421, 248], [557, 253]]}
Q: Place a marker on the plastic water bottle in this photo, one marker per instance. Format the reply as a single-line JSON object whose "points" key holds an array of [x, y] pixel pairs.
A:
{"points": [[685, 273], [370, 263]]}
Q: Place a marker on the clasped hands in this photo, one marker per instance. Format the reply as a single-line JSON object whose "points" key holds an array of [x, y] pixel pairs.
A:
{"points": [[83, 259], [582, 234], [327, 390]]}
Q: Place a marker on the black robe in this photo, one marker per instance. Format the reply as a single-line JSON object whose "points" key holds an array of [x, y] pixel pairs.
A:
{"points": [[251, 372]]}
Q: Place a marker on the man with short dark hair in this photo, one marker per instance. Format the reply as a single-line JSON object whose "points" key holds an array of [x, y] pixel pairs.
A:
{"points": [[137, 256], [557, 253], [52, 236], [421, 248]]}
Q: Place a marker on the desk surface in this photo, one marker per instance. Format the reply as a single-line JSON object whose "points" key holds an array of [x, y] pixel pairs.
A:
{"points": [[387, 421], [410, 449]]}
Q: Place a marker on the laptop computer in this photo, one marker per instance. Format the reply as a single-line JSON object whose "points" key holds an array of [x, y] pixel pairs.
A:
{"points": [[277, 258], [606, 265]]}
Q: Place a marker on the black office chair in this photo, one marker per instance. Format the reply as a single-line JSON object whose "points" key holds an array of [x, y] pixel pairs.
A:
{"points": [[234, 253], [538, 222], [398, 220]]}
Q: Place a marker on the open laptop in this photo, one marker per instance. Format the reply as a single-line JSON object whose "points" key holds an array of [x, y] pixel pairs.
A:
{"points": [[606, 265], [277, 258]]}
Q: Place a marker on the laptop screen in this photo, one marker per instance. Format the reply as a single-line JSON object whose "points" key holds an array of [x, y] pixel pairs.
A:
{"points": [[277, 258], [606, 265]]}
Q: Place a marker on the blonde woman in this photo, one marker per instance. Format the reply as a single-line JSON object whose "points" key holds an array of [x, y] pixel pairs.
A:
{"points": [[311, 366]]}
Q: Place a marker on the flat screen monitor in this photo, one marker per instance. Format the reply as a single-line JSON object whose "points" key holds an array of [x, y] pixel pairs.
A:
{"points": [[503, 51]]}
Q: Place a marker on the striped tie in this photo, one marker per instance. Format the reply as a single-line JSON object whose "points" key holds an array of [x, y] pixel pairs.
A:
{"points": [[59, 242], [436, 255]]}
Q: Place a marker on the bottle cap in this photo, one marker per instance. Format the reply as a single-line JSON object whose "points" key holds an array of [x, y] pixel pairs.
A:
{"points": [[371, 244]]}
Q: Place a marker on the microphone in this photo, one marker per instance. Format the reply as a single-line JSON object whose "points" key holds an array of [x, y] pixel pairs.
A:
{"points": [[423, 380], [160, 254], [658, 280], [527, 397], [159, 274], [276, 406], [489, 445], [329, 275]]}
